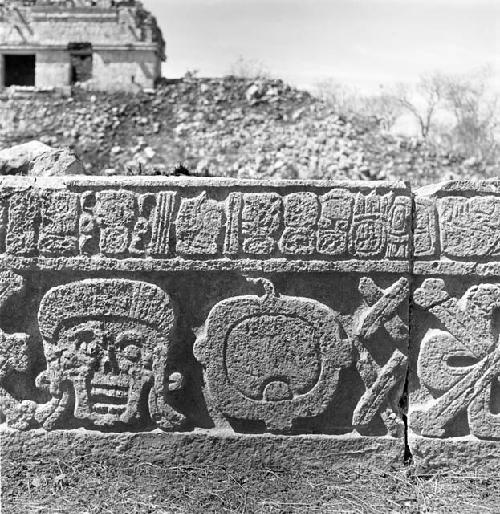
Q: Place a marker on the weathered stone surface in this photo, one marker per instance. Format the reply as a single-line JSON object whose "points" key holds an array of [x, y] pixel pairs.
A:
{"points": [[39, 160], [455, 455], [272, 358], [457, 228], [227, 307], [454, 358], [273, 228], [207, 448], [103, 44]]}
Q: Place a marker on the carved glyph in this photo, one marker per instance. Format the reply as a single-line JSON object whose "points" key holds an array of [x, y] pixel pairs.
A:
{"points": [[470, 226], [301, 212], [199, 224], [272, 358]]}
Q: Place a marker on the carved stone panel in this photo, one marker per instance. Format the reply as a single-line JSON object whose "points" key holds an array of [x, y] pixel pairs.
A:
{"points": [[171, 223], [453, 386], [212, 307], [458, 364], [457, 229]]}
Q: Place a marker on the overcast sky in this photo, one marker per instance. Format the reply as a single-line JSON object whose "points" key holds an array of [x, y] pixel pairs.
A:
{"points": [[362, 42]]}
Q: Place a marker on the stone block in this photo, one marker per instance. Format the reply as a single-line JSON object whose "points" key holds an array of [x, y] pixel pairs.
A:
{"points": [[454, 387], [229, 316]]}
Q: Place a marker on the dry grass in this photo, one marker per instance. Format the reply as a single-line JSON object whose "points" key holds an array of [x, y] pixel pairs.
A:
{"points": [[91, 486]]}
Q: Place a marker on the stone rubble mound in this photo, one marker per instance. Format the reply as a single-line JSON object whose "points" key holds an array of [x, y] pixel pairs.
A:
{"points": [[260, 128]]}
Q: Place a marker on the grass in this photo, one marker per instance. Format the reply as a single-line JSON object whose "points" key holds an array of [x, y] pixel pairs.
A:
{"points": [[90, 486]]}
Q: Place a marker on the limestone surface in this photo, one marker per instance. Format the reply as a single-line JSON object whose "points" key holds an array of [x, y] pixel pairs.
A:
{"points": [[104, 44], [228, 307], [230, 316], [39, 160], [453, 383]]}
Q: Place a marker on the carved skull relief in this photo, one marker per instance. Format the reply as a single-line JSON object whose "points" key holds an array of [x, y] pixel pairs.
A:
{"points": [[109, 339]]}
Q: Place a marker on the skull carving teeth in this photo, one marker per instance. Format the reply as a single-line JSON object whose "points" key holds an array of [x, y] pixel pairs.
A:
{"points": [[106, 337]]}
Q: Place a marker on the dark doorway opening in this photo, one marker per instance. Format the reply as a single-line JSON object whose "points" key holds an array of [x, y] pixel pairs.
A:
{"points": [[81, 62], [19, 70]]}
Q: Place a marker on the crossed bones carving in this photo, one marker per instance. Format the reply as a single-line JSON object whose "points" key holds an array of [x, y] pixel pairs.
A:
{"points": [[459, 365], [379, 381]]}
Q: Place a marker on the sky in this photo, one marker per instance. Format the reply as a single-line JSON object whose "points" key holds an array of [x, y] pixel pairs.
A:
{"points": [[362, 43]]}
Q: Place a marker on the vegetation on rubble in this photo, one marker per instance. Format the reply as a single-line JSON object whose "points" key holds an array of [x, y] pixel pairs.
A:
{"points": [[88, 485], [239, 127]]}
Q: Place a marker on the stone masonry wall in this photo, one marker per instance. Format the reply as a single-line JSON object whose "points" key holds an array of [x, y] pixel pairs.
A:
{"points": [[124, 38], [279, 323]]}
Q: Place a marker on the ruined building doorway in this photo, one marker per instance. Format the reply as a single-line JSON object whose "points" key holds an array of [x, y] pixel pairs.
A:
{"points": [[19, 70], [81, 62]]}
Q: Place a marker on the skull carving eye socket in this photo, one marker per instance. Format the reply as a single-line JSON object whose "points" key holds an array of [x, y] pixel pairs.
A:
{"points": [[129, 343], [86, 342]]}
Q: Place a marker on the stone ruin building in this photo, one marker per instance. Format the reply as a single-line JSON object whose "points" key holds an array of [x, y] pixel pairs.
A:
{"points": [[112, 44]]}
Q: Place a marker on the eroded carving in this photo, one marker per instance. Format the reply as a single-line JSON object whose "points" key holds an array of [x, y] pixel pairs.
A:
{"points": [[115, 213], [272, 358], [3, 222], [22, 228], [198, 226], [106, 343], [160, 224], [88, 241], [380, 380], [59, 224], [141, 233], [14, 348], [301, 218], [336, 211], [425, 234], [398, 244], [470, 227], [460, 365], [260, 222], [234, 202]]}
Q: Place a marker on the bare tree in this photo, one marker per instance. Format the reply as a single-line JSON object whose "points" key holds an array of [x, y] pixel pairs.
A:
{"points": [[475, 108], [245, 68], [385, 107], [343, 98], [423, 101]]}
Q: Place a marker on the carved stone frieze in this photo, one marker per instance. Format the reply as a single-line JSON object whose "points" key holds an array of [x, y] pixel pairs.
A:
{"points": [[196, 222], [110, 339]]}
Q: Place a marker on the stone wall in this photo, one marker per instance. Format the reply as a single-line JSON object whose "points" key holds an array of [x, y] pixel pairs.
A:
{"points": [[278, 323]]}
